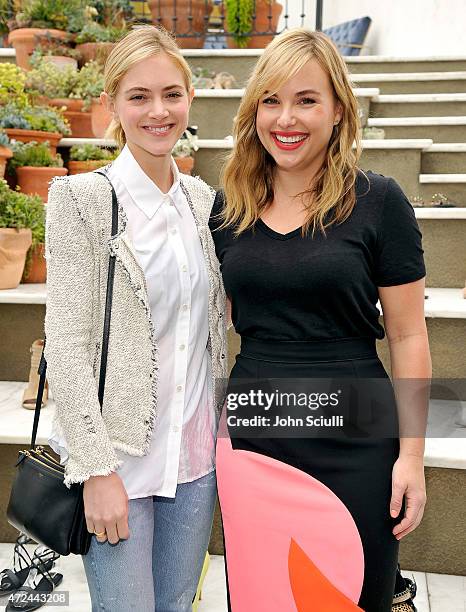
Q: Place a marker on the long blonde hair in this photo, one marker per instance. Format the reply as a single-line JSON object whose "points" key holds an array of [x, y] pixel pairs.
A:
{"points": [[247, 176], [141, 43]]}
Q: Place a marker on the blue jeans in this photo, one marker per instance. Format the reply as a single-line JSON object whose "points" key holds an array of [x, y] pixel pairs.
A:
{"points": [[158, 567]]}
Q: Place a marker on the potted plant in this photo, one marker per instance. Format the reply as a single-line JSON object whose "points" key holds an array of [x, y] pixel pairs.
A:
{"points": [[191, 17], [34, 18], [35, 167], [12, 85], [88, 157], [58, 87], [89, 88], [39, 123], [55, 51], [183, 151], [95, 41], [21, 220], [240, 21], [106, 24], [5, 152]]}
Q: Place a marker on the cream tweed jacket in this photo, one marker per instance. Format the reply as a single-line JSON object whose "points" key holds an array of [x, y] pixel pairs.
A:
{"points": [[77, 246]]}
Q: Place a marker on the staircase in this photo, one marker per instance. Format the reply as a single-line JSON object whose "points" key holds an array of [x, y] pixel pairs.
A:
{"points": [[421, 105]]}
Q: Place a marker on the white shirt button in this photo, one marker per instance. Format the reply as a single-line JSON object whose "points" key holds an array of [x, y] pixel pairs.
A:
{"points": [[185, 307], [179, 388], [173, 230], [182, 347], [175, 429], [184, 268]]}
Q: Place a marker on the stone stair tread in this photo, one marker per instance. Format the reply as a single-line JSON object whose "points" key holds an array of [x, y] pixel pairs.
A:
{"points": [[447, 147], [373, 77], [420, 97], [407, 121], [16, 425], [442, 178]]}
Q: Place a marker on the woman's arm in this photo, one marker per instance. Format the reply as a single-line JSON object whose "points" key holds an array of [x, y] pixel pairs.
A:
{"points": [[68, 327], [403, 311]]}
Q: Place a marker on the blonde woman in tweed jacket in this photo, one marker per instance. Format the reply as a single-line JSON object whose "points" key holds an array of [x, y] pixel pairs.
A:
{"points": [[147, 462]]}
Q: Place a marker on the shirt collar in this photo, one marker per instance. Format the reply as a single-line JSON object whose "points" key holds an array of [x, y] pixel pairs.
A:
{"points": [[143, 191]]}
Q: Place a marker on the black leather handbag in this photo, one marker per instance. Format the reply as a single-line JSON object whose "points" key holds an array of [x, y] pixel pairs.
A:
{"points": [[40, 504]]}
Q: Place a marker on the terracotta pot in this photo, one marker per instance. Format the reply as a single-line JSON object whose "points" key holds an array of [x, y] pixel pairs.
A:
{"points": [[78, 167], [98, 51], [28, 135], [14, 245], [24, 41], [185, 164], [33, 180], [262, 24], [100, 118], [80, 121], [5, 154], [61, 61], [163, 13], [36, 271]]}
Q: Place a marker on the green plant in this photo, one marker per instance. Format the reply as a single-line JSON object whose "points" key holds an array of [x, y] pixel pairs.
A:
{"points": [[90, 83], [4, 140], [47, 119], [20, 211], [43, 118], [47, 79], [34, 154], [90, 152], [12, 83], [186, 145], [57, 14], [94, 32], [112, 12], [50, 45], [239, 19], [4, 16]]}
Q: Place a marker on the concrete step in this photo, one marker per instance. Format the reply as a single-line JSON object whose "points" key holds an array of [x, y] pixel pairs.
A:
{"points": [[439, 129], [444, 243], [418, 105], [240, 62], [444, 158], [213, 110], [365, 64], [451, 185], [413, 82]]}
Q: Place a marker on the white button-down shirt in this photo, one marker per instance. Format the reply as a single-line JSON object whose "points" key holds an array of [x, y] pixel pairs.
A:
{"points": [[165, 239]]}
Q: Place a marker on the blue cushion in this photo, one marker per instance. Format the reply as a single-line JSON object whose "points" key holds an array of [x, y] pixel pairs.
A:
{"points": [[351, 32]]}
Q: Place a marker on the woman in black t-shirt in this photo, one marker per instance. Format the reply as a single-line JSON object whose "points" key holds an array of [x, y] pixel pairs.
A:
{"points": [[317, 481]]}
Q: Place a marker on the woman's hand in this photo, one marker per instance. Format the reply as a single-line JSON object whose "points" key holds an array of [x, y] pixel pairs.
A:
{"points": [[106, 507], [408, 480]]}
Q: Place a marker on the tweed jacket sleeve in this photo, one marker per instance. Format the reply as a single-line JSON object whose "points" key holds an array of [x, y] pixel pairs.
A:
{"points": [[70, 256]]}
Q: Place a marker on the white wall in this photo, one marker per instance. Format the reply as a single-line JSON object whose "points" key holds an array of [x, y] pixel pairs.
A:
{"points": [[399, 27]]}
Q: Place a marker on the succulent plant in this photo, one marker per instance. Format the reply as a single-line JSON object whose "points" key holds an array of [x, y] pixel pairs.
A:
{"points": [[4, 140], [47, 79], [18, 210], [186, 145], [34, 154], [90, 152], [43, 118], [12, 83]]}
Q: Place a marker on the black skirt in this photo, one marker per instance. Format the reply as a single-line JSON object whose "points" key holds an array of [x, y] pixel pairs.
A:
{"points": [[307, 522]]}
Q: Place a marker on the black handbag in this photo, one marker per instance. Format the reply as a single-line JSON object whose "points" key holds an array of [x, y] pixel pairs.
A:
{"points": [[40, 504]]}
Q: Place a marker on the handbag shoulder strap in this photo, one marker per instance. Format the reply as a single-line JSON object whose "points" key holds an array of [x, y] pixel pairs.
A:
{"points": [[108, 308]]}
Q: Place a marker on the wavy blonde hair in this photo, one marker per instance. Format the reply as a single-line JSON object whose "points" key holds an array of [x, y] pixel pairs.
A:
{"points": [[247, 175], [141, 43]]}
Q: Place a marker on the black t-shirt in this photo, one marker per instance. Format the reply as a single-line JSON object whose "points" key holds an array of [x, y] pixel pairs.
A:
{"points": [[289, 287]]}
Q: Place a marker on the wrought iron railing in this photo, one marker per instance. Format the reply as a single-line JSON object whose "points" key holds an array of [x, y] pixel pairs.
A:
{"points": [[193, 19]]}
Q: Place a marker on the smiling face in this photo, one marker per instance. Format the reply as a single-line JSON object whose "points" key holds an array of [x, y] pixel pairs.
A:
{"points": [[152, 105], [295, 124]]}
